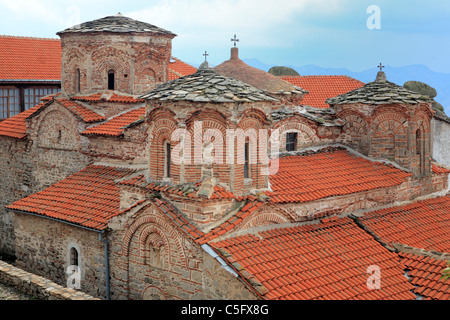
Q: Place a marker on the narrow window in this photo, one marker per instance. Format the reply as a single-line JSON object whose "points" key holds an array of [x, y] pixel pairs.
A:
{"points": [[291, 141], [78, 80], [59, 136], [111, 79], [246, 160], [74, 259], [418, 142], [167, 159]]}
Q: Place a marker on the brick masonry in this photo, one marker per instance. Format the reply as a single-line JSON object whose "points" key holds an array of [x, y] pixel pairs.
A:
{"points": [[150, 258]]}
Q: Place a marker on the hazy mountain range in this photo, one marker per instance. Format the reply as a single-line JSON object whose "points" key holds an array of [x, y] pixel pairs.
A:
{"points": [[398, 75]]}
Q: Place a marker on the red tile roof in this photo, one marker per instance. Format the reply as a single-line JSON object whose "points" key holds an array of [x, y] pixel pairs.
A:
{"points": [[426, 275], [322, 88], [88, 198], [108, 96], [327, 173], [16, 127], [179, 69], [196, 234], [81, 111], [117, 125], [190, 191], [422, 224], [328, 260], [438, 169], [23, 58]]}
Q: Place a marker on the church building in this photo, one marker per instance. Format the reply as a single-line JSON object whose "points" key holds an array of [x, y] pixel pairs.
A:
{"points": [[221, 184]]}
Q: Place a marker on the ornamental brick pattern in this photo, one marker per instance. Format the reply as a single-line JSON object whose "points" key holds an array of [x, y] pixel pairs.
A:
{"points": [[89, 176]]}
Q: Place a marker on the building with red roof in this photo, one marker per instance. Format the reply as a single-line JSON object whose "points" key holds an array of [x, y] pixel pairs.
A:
{"points": [[30, 68], [161, 181]]}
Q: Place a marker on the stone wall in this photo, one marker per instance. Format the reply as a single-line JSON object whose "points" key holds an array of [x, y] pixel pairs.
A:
{"points": [[15, 182], [37, 287], [441, 141], [43, 248]]}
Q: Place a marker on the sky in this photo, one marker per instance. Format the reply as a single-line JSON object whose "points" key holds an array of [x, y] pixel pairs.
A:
{"points": [[352, 34]]}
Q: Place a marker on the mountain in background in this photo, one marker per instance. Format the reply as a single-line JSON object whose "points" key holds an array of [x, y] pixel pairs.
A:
{"points": [[398, 75]]}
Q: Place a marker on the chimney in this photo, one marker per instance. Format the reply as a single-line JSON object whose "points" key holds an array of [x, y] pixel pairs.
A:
{"points": [[234, 53]]}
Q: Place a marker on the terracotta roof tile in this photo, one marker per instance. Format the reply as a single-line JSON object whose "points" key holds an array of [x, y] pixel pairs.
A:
{"points": [[321, 88], [189, 190], [108, 96], [24, 58], [422, 224], [117, 125], [426, 275], [192, 231], [179, 69], [88, 198], [327, 173], [320, 261], [16, 127], [438, 169], [81, 111]]}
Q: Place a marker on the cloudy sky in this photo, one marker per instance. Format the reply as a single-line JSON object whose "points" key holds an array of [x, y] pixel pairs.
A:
{"points": [[352, 34]]}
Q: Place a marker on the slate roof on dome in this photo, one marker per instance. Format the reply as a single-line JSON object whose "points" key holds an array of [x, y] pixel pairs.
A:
{"points": [[378, 92], [206, 85], [117, 23], [238, 69]]}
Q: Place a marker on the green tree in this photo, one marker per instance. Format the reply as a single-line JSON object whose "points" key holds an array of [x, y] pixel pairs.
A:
{"points": [[283, 71]]}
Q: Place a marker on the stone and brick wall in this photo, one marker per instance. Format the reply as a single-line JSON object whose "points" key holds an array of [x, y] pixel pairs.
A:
{"points": [[152, 259], [43, 248], [16, 183], [139, 61]]}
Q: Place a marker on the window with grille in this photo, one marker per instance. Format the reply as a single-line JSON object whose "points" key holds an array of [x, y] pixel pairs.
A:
{"points": [[33, 95], [291, 141], [9, 102]]}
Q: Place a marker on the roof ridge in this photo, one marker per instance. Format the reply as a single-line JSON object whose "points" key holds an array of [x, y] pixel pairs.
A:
{"points": [[28, 38]]}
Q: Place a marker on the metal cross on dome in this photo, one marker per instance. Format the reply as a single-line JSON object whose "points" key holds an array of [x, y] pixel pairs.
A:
{"points": [[235, 40], [206, 55], [381, 66]]}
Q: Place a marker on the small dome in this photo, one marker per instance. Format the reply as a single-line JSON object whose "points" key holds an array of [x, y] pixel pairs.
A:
{"points": [[117, 23]]}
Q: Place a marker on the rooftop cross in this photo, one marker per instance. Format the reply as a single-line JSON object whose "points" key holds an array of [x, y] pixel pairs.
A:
{"points": [[206, 55], [381, 66], [235, 40]]}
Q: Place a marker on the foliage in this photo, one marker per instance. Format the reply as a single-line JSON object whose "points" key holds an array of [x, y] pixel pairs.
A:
{"points": [[421, 88], [283, 71]]}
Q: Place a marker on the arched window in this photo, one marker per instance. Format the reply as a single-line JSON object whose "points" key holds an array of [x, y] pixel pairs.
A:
{"points": [[78, 80], [247, 160], [74, 257], [420, 150], [111, 80], [167, 158]]}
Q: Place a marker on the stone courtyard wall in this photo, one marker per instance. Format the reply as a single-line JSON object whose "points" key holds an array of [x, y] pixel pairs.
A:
{"points": [[37, 287]]}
